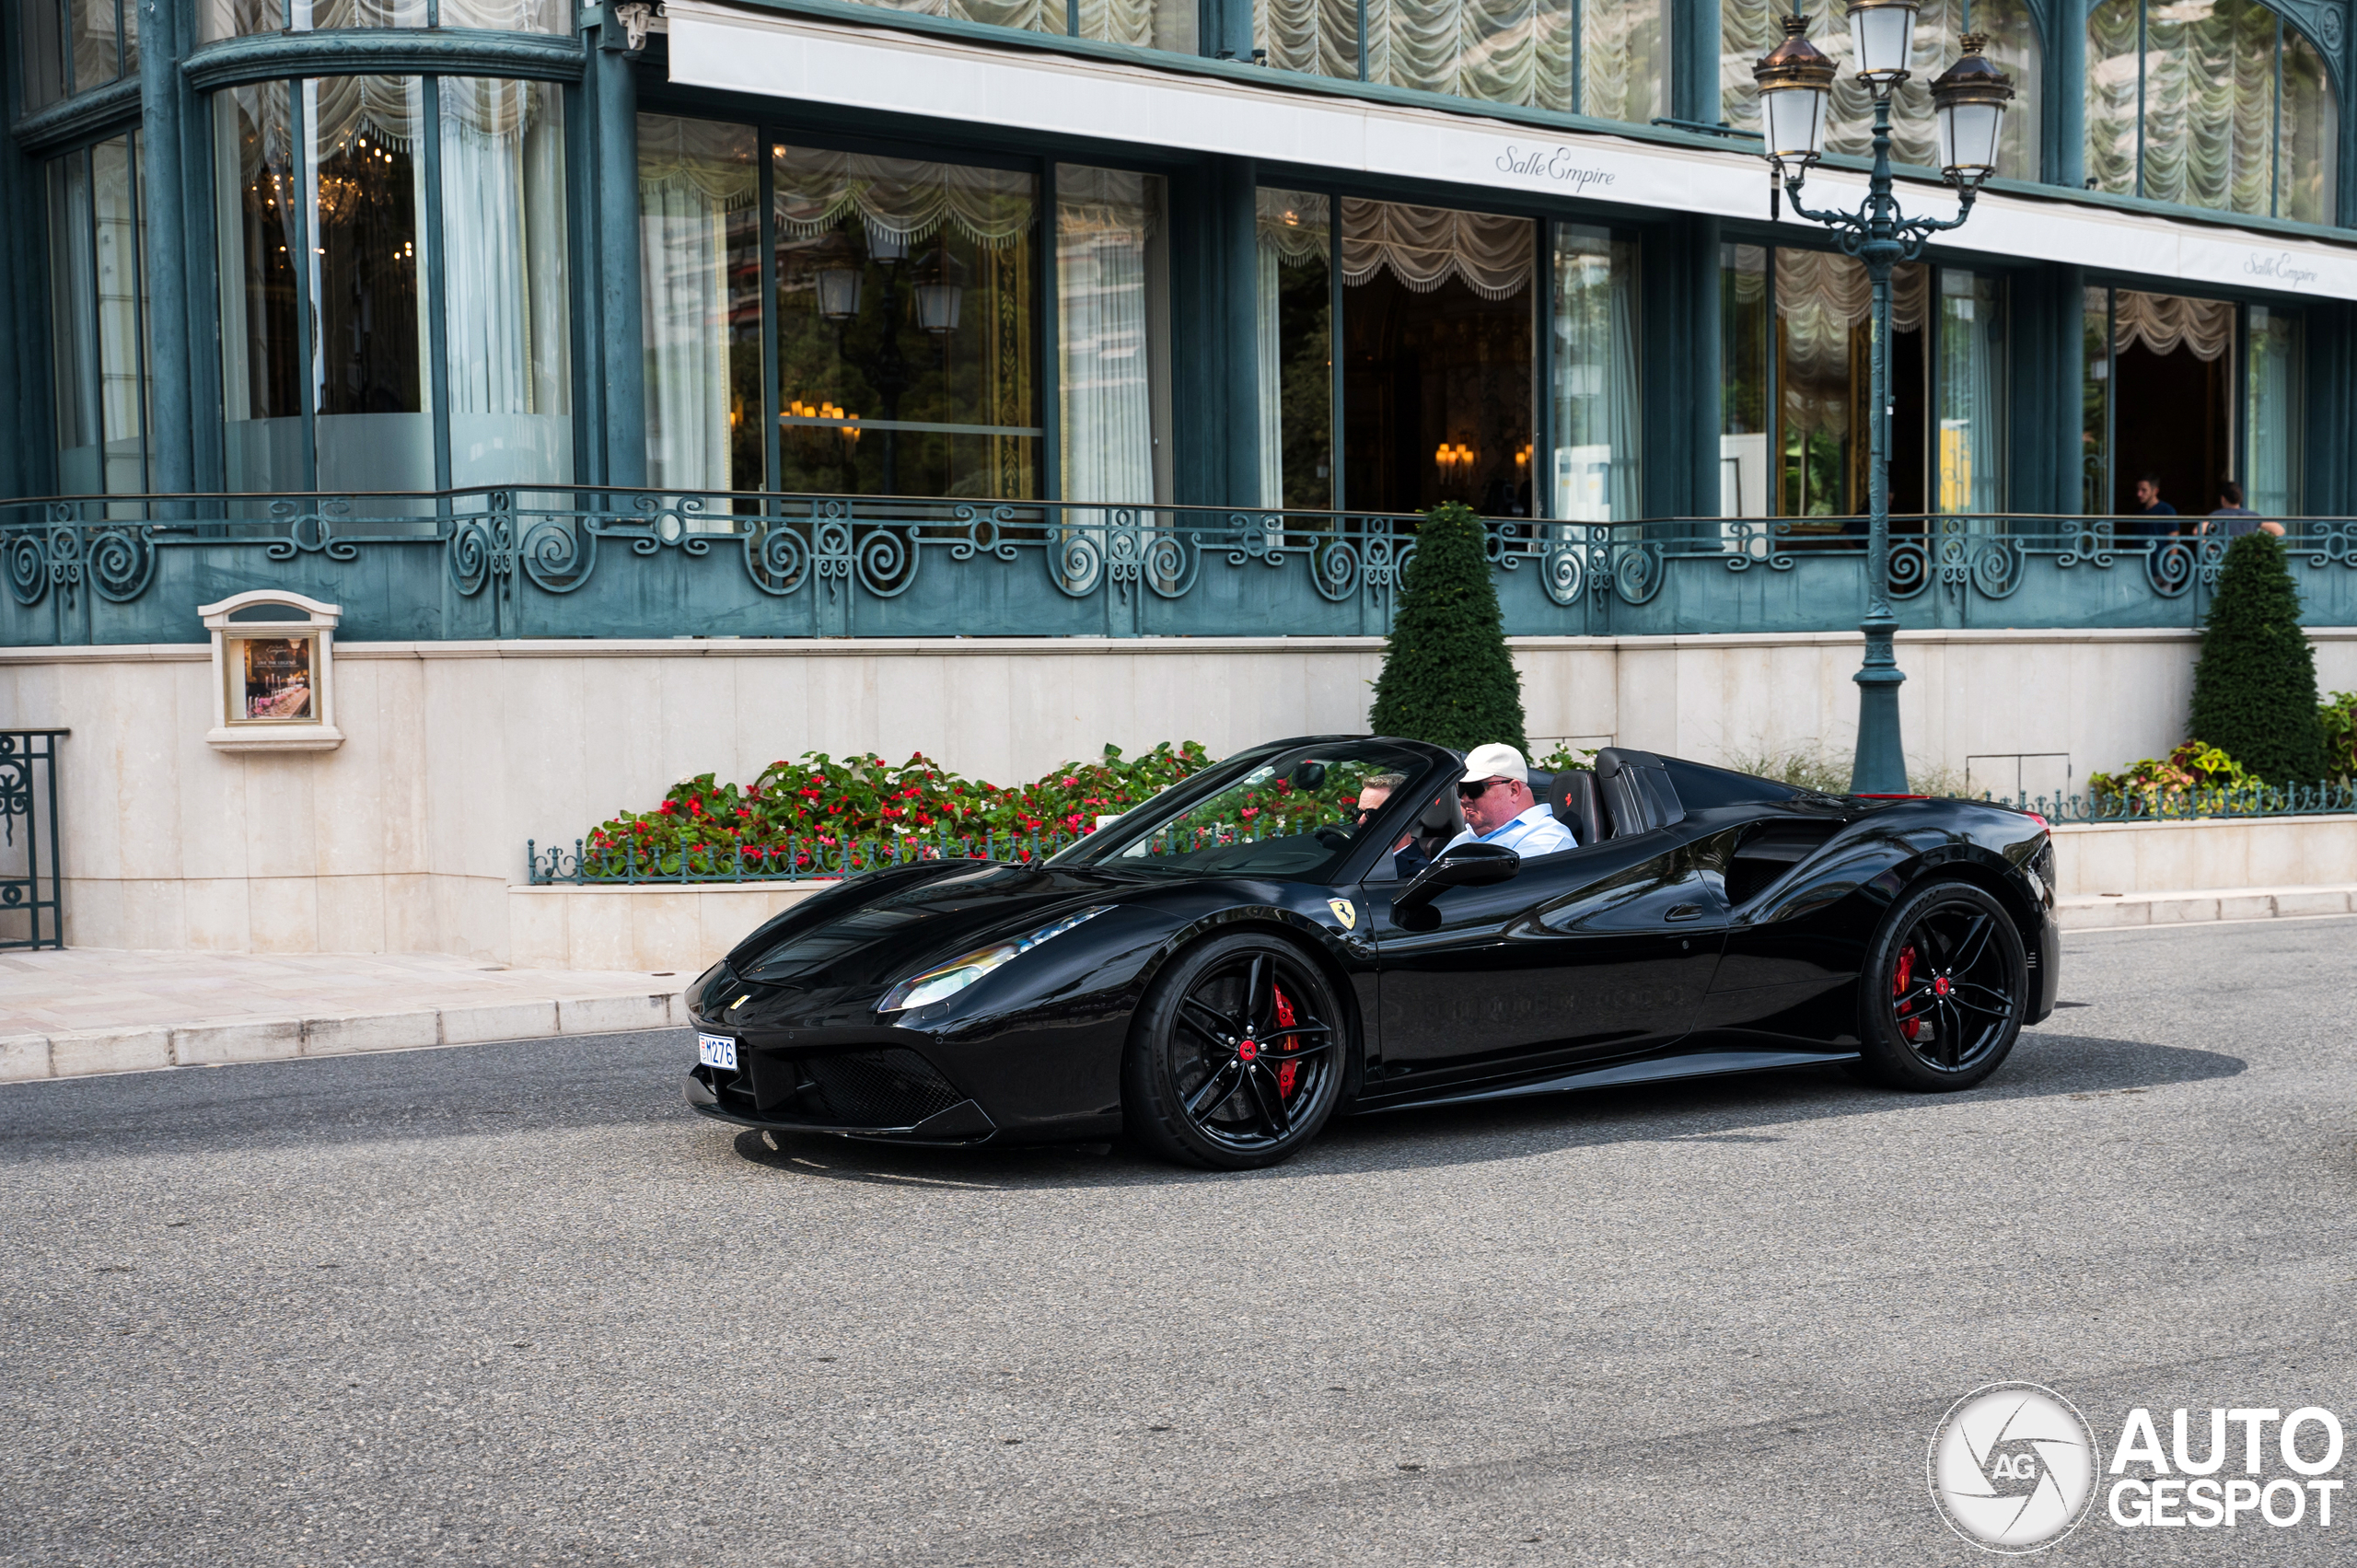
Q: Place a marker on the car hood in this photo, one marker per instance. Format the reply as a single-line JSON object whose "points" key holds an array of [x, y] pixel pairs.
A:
{"points": [[908, 928]]}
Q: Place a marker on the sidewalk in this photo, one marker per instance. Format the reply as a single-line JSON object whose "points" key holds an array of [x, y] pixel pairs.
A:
{"points": [[97, 1010], [2105, 912]]}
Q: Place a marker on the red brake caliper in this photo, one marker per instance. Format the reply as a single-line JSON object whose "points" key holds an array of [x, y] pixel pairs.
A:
{"points": [[1909, 1026], [1286, 1070]]}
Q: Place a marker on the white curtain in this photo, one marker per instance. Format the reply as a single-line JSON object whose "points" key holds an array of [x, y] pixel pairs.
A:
{"points": [[1295, 230], [1107, 227], [2166, 322], [1821, 297], [1424, 246], [1519, 51], [814, 190], [505, 283], [1970, 458], [1597, 475], [2272, 465], [690, 174]]}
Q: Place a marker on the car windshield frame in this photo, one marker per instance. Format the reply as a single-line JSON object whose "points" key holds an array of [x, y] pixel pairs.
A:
{"points": [[1114, 845]]}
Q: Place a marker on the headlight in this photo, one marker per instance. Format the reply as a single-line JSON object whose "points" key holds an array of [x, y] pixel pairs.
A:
{"points": [[958, 973]]}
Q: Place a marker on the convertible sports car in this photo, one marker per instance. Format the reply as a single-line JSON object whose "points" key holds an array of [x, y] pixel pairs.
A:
{"points": [[1224, 968]]}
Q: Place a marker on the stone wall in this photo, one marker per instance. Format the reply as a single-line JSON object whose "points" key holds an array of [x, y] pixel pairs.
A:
{"points": [[408, 837]]}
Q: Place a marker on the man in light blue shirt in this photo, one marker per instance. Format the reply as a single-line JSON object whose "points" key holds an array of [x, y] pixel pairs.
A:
{"points": [[1499, 810]]}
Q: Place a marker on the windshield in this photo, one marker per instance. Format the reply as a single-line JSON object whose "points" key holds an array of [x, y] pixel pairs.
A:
{"points": [[1290, 814]]}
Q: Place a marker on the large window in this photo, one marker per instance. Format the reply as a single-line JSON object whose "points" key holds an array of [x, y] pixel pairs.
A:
{"points": [[98, 324], [331, 379], [1142, 24], [1796, 338], [1595, 475], [2213, 103], [2162, 404], [1606, 58], [1295, 345], [71, 46], [235, 18], [1749, 31], [1112, 335]]}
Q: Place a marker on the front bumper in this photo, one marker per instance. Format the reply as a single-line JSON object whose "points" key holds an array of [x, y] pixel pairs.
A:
{"points": [[957, 1124]]}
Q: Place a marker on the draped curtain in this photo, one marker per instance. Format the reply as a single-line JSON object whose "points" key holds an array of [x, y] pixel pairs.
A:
{"points": [[1424, 246], [1748, 29], [1606, 58], [1821, 297], [691, 175], [2272, 465], [815, 190], [1142, 24], [1296, 229], [2166, 322], [2199, 80], [504, 282], [1971, 431], [1596, 474], [1108, 225]]}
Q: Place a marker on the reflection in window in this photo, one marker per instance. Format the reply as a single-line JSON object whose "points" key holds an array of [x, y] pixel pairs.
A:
{"points": [[258, 194], [238, 18], [700, 281], [1745, 33], [1744, 416], [1606, 58], [1596, 472], [1141, 24], [2272, 415], [1970, 379], [1295, 341], [503, 279], [906, 326], [1112, 337], [2211, 103], [72, 46], [98, 300]]}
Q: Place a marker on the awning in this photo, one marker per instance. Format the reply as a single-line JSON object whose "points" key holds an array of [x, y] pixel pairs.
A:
{"points": [[775, 55]]}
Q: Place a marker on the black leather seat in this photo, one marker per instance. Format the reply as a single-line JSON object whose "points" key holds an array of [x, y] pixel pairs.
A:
{"points": [[1578, 805], [1441, 821], [1637, 791]]}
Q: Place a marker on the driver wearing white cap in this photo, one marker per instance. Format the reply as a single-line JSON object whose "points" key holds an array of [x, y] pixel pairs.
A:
{"points": [[1499, 810]]}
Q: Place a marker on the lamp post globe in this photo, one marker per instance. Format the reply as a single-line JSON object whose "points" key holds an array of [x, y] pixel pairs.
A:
{"points": [[1795, 87], [1968, 101], [1882, 36]]}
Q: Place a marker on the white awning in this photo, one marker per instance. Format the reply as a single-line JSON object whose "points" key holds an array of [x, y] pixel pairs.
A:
{"points": [[775, 55]]}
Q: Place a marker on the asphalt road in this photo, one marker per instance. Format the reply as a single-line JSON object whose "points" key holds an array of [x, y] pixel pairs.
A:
{"points": [[516, 1305]]}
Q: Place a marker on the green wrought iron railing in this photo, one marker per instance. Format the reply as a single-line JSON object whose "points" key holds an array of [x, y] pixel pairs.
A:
{"points": [[582, 562], [2191, 804]]}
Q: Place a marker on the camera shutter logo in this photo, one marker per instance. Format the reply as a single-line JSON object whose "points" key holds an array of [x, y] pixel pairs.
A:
{"points": [[2012, 1468]]}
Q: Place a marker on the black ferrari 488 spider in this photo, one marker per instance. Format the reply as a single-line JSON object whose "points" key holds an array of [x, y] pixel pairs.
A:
{"points": [[1226, 968]]}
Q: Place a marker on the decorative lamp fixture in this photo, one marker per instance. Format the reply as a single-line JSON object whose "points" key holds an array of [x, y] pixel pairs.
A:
{"points": [[939, 295], [1882, 36], [1796, 83], [883, 245], [1969, 99], [838, 292]]}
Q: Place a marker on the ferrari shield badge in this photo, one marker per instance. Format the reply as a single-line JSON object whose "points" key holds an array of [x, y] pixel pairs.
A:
{"points": [[1345, 911]]}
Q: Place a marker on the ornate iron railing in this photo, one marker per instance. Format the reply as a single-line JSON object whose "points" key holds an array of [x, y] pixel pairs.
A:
{"points": [[32, 894], [2190, 804], [623, 563]]}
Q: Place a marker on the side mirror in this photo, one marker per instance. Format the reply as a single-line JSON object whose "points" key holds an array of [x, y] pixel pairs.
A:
{"points": [[1467, 865], [1308, 775]]}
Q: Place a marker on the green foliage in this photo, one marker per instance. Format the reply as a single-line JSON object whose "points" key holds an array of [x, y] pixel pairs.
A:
{"points": [[798, 815], [1446, 675], [2338, 719], [1823, 770], [1564, 756], [2255, 690], [2186, 773]]}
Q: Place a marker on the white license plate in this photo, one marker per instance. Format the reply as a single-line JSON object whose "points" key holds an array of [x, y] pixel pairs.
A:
{"points": [[716, 1050]]}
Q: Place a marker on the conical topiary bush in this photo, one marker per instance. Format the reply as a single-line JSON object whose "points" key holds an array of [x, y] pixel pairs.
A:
{"points": [[1446, 675], [2255, 690]]}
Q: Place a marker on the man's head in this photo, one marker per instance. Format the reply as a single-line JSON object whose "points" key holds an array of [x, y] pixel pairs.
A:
{"points": [[2148, 489], [1374, 791], [1496, 787], [2230, 494]]}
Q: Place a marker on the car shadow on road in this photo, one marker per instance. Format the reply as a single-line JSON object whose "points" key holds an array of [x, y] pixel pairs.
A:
{"points": [[1749, 1108]]}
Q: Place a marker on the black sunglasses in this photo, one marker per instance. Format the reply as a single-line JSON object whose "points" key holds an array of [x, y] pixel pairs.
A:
{"points": [[1475, 791]]}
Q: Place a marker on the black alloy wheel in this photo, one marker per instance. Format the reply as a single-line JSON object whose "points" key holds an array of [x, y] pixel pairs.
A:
{"points": [[1236, 1055], [1945, 988]]}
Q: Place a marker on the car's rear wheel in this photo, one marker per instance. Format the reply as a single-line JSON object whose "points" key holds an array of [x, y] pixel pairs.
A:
{"points": [[1945, 988], [1236, 1055]]}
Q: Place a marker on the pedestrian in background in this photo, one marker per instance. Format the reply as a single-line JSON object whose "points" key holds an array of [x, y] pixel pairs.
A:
{"points": [[2152, 512], [2234, 519]]}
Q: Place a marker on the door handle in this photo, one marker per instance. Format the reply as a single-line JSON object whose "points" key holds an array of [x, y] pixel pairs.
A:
{"points": [[1683, 911]]}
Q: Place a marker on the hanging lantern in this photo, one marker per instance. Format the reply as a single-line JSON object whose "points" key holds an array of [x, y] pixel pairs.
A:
{"points": [[1796, 83], [883, 245], [939, 294], [1882, 36], [1970, 100], [838, 292]]}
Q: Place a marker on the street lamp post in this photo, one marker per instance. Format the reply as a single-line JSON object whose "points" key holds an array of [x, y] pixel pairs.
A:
{"points": [[1796, 83]]}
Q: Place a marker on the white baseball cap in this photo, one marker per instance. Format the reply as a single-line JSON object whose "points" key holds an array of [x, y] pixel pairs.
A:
{"points": [[1496, 760]]}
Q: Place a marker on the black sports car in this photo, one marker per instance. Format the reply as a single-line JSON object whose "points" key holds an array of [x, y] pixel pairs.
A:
{"points": [[1224, 968]]}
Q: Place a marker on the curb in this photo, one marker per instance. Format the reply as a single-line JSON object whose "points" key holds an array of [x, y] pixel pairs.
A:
{"points": [[2112, 912], [148, 1048]]}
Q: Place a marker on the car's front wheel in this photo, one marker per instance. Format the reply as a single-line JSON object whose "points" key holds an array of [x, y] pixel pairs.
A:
{"points": [[1236, 1055], [1945, 988]]}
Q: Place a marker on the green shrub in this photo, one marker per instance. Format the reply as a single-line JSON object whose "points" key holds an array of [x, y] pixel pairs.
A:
{"points": [[1447, 677], [2189, 770], [2255, 690], [2338, 720]]}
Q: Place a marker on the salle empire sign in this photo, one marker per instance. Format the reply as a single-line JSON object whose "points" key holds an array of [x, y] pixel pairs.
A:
{"points": [[2280, 267], [1554, 166], [2182, 1484]]}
